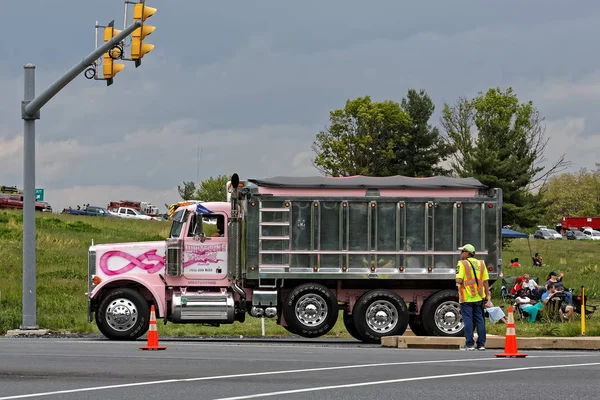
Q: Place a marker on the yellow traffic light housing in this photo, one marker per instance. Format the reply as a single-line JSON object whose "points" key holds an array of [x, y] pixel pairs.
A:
{"points": [[141, 12], [110, 68]]}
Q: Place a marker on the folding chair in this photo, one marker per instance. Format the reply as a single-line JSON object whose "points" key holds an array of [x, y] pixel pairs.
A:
{"points": [[551, 311], [589, 309]]}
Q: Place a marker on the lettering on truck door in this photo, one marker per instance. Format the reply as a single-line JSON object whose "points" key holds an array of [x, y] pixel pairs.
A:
{"points": [[206, 260]]}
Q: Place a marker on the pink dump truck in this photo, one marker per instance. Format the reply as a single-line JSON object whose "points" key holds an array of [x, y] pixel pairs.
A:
{"points": [[382, 251]]}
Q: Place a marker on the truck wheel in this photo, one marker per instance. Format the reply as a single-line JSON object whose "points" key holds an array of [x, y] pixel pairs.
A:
{"points": [[123, 315], [310, 310], [350, 326], [441, 314], [380, 313], [290, 330]]}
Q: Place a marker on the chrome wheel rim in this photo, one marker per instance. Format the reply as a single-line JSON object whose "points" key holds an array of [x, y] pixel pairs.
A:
{"points": [[121, 314], [311, 310], [448, 318], [381, 316]]}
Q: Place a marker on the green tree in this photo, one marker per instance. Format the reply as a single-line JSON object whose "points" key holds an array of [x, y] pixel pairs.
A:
{"points": [[507, 151], [212, 189], [187, 191], [572, 194], [425, 148], [362, 138]]}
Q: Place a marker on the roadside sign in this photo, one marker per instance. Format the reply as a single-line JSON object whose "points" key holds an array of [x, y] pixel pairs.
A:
{"points": [[39, 194]]}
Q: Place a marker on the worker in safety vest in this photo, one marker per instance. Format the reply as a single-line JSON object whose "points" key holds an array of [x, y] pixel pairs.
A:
{"points": [[473, 291]]}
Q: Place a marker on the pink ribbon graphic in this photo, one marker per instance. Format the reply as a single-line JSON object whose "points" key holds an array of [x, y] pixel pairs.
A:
{"points": [[197, 257], [138, 261]]}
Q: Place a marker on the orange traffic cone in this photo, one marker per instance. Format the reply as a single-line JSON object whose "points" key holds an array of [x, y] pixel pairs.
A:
{"points": [[153, 333], [510, 343]]}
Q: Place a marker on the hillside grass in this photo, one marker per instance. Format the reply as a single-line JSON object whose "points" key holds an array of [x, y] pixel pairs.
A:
{"points": [[578, 259], [63, 241]]}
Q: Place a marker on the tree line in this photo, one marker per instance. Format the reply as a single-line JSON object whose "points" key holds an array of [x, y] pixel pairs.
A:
{"points": [[492, 137]]}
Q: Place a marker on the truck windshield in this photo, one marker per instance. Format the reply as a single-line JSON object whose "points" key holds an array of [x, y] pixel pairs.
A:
{"points": [[178, 220]]}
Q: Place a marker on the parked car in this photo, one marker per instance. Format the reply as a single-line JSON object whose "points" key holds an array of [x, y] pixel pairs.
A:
{"points": [[92, 211], [543, 234], [592, 234], [554, 233], [48, 206], [126, 212], [576, 235]]}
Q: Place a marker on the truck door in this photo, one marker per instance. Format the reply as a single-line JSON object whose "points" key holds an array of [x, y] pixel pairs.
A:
{"points": [[208, 259], [15, 201]]}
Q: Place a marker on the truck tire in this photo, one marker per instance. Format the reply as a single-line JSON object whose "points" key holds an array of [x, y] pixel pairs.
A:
{"points": [[123, 315], [440, 315], [310, 310], [350, 326], [380, 313], [290, 330]]}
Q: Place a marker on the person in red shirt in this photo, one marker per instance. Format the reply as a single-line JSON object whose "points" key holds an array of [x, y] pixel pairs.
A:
{"points": [[518, 286], [515, 263]]}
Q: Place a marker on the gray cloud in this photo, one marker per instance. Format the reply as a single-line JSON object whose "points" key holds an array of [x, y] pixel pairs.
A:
{"points": [[254, 82]]}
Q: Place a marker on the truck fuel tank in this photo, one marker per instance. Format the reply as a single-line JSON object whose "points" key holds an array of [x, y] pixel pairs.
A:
{"points": [[202, 307]]}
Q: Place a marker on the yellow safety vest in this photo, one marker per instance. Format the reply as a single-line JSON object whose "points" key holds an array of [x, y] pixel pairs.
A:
{"points": [[474, 286]]}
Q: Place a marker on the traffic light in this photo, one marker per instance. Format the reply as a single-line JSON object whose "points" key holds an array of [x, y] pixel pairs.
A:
{"points": [[141, 12], [110, 67]]}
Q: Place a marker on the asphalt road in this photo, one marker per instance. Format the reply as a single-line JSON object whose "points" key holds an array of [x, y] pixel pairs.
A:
{"points": [[46, 368]]}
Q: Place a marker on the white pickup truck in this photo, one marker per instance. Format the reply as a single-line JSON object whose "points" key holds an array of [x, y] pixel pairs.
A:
{"points": [[126, 212]]}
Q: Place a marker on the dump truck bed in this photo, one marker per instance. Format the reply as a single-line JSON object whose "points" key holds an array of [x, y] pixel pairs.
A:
{"points": [[392, 228]]}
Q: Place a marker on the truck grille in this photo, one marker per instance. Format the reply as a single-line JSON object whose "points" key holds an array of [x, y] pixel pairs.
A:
{"points": [[91, 269]]}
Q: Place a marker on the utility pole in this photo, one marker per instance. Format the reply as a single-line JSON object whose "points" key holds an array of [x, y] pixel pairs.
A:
{"points": [[30, 111]]}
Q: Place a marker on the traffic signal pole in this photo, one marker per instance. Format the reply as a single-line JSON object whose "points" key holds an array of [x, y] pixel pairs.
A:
{"points": [[30, 111]]}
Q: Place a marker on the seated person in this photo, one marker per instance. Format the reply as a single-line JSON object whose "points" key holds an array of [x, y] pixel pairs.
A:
{"points": [[530, 306], [554, 295], [557, 281], [531, 285], [220, 227], [518, 285], [494, 313], [537, 260], [515, 263]]}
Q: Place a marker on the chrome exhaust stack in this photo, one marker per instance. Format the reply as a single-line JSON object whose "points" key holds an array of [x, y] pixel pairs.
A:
{"points": [[234, 266]]}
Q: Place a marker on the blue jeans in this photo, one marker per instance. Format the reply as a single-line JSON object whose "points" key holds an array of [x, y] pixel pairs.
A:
{"points": [[472, 315]]}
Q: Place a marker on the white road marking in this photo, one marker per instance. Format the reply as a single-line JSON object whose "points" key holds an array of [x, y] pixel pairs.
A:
{"points": [[232, 344], [254, 374], [24, 396], [418, 378]]}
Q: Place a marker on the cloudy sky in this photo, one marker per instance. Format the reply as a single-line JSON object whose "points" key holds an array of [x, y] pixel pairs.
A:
{"points": [[252, 82]]}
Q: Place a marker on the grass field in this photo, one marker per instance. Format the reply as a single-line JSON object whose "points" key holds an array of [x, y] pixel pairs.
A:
{"points": [[63, 240]]}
